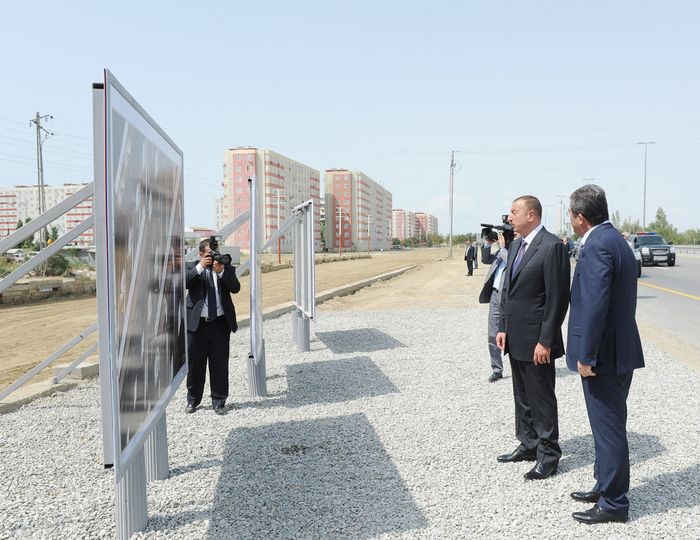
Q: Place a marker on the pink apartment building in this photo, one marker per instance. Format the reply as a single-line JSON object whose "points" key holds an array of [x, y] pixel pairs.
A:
{"points": [[358, 209], [287, 184]]}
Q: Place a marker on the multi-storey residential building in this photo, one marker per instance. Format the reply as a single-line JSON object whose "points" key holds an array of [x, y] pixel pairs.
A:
{"points": [[22, 202], [403, 224], [286, 184], [427, 224], [406, 224], [356, 206]]}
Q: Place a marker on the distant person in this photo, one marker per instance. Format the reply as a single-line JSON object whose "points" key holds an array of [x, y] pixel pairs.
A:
{"points": [[476, 255], [491, 294], [534, 302], [469, 256], [604, 347]]}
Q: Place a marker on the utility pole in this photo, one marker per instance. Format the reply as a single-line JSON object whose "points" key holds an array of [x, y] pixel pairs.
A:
{"points": [[452, 168], [40, 170], [644, 208]]}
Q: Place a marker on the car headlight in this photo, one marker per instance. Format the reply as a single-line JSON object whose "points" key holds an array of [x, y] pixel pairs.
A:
{"points": [[645, 251], [672, 249], [638, 255]]}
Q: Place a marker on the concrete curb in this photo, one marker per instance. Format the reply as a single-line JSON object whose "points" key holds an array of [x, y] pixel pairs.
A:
{"points": [[29, 392]]}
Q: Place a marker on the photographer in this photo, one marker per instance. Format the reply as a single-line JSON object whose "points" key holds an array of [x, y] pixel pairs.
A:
{"points": [[491, 294], [211, 318]]}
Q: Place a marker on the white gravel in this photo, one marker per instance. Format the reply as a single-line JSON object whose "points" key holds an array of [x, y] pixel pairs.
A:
{"points": [[387, 428]]}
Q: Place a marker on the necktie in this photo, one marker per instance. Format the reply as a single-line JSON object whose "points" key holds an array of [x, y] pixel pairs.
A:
{"points": [[211, 295], [521, 252]]}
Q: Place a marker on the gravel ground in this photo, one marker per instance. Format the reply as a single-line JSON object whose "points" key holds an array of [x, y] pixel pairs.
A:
{"points": [[387, 428]]}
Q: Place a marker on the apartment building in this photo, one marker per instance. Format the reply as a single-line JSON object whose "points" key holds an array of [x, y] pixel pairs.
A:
{"points": [[357, 209], [22, 202], [406, 224], [286, 184]]}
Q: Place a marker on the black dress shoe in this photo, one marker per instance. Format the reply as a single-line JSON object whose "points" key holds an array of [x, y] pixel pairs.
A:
{"points": [[190, 409], [495, 376], [597, 515], [220, 410], [518, 455], [586, 496], [540, 472]]}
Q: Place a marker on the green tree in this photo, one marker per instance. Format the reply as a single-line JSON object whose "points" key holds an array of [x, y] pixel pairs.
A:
{"points": [[56, 265], [54, 234], [616, 221], [664, 228]]}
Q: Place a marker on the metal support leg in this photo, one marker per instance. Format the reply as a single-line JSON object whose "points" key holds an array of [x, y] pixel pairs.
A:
{"points": [[257, 381], [303, 337], [156, 450], [295, 327], [131, 503]]}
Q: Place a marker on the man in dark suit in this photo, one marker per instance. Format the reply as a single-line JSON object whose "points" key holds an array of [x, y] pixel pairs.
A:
{"points": [[469, 256], [211, 318], [604, 347], [534, 302], [491, 294]]}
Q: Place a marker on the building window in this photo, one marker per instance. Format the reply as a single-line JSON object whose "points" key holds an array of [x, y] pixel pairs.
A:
{"points": [[337, 177], [337, 193], [240, 242], [239, 190], [347, 226], [248, 200], [337, 225], [239, 211], [347, 185], [250, 158], [347, 234], [239, 200], [238, 157], [346, 201], [249, 168], [346, 193], [347, 242], [337, 185], [240, 233], [239, 179], [238, 168]]}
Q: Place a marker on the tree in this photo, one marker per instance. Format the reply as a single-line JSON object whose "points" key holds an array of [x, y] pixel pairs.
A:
{"points": [[661, 226], [56, 265], [616, 221], [54, 234]]}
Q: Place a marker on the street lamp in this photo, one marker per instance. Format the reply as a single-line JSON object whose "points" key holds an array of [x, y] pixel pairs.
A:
{"points": [[644, 208]]}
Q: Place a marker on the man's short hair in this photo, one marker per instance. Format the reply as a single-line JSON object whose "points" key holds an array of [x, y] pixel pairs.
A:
{"points": [[531, 203], [590, 202], [208, 242]]}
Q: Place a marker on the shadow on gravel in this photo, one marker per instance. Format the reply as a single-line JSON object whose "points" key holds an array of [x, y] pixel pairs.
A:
{"points": [[360, 340], [326, 478], [678, 489], [580, 451], [335, 381], [329, 381]]}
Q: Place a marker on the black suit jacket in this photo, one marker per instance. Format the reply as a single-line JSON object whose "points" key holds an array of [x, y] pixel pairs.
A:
{"points": [[470, 254], [535, 300], [197, 292], [494, 259]]}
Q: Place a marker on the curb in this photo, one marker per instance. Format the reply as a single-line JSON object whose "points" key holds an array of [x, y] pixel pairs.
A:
{"points": [[30, 392]]}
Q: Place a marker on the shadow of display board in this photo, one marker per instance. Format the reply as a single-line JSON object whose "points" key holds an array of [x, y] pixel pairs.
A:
{"points": [[144, 240]]}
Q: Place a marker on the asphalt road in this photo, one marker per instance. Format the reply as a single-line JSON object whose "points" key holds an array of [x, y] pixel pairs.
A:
{"points": [[669, 298]]}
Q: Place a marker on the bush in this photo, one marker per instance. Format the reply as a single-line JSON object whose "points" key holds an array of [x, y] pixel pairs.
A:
{"points": [[56, 265]]}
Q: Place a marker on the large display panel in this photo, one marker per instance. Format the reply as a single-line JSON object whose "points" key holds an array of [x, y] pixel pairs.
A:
{"points": [[145, 245]]}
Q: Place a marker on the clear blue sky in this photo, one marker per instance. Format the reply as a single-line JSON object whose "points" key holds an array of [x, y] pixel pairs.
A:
{"points": [[536, 96]]}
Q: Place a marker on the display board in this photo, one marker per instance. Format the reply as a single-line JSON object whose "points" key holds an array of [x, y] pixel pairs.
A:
{"points": [[146, 276]]}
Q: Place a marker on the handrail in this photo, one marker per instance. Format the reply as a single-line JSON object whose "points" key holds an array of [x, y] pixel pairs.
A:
{"points": [[60, 352], [46, 253], [58, 378]]}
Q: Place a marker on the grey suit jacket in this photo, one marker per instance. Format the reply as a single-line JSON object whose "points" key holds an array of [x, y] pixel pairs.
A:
{"points": [[495, 260], [535, 299]]}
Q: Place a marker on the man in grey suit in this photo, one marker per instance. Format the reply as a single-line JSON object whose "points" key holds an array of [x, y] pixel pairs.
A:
{"points": [[604, 348], [491, 294], [534, 302], [211, 318]]}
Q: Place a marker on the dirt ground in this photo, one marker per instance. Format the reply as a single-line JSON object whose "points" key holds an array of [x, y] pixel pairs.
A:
{"points": [[30, 333]]}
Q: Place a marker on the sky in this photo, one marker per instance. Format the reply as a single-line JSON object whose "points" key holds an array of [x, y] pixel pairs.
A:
{"points": [[536, 97]]}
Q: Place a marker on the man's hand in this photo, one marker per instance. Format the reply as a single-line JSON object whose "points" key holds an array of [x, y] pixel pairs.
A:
{"points": [[542, 354], [501, 340], [501, 240], [585, 370], [217, 267], [205, 261]]}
